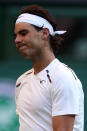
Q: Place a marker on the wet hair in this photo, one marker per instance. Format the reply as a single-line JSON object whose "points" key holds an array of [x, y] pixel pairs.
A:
{"points": [[55, 41]]}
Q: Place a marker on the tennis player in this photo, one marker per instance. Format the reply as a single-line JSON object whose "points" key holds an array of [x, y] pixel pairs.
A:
{"points": [[49, 97]]}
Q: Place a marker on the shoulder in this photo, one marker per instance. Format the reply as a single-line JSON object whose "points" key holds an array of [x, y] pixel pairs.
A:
{"points": [[64, 77], [24, 75], [19, 83], [63, 71]]}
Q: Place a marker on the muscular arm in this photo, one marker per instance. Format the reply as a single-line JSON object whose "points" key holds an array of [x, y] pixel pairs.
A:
{"points": [[63, 123]]}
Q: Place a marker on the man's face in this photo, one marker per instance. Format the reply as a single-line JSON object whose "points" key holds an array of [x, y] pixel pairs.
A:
{"points": [[28, 40]]}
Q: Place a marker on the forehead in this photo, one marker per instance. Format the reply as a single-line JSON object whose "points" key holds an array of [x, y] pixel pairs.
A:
{"points": [[23, 26]]}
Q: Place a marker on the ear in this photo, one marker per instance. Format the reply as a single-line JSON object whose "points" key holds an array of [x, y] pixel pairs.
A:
{"points": [[45, 33]]}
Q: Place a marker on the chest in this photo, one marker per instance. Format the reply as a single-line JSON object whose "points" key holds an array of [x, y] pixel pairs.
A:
{"points": [[35, 95]]}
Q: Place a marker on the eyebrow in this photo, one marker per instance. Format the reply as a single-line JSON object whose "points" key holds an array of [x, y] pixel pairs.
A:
{"points": [[22, 31]]}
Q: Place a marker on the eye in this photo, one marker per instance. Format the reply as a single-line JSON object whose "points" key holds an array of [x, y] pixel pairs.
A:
{"points": [[23, 33]]}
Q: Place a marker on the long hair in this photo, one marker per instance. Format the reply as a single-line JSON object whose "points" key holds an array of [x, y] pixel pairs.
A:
{"points": [[55, 41]]}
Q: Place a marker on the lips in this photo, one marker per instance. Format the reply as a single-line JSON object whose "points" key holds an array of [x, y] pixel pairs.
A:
{"points": [[22, 47]]}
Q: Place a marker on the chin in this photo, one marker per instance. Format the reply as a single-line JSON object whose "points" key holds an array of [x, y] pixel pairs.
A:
{"points": [[26, 56]]}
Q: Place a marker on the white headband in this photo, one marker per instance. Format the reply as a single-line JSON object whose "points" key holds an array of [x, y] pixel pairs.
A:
{"points": [[37, 21]]}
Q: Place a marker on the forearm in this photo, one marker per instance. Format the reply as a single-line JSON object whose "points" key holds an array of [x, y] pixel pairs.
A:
{"points": [[62, 129]]}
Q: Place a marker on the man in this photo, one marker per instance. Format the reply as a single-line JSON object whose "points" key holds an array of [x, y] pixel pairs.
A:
{"points": [[49, 97]]}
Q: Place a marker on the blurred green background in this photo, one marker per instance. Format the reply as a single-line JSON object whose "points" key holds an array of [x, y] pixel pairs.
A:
{"points": [[72, 18]]}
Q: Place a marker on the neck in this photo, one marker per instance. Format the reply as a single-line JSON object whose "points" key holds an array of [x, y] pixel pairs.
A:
{"points": [[42, 61]]}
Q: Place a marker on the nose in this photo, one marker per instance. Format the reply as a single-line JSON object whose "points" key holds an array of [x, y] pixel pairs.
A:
{"points": [[18, 39]]}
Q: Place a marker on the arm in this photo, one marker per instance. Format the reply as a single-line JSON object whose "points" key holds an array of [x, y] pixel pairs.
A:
{"points": [[63, 123], [65, 102]]}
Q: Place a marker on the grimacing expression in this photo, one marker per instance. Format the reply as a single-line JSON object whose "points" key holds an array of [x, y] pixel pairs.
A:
{"points": [[28, 40]]}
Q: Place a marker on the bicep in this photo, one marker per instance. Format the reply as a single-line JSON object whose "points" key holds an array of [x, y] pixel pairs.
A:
{"points": [[63, 122]]}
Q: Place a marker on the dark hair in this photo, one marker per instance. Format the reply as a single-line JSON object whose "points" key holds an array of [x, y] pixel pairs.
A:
{"points": [[55, 41]]}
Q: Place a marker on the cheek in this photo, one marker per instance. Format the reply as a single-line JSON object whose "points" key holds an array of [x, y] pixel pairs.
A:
{"points": [[33, 42], [38, 42]]}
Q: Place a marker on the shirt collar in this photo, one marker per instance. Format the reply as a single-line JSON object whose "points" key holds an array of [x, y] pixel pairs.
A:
{"points": [[50, 69]]}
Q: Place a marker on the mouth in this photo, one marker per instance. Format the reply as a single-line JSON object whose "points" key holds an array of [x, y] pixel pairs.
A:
{"points": [[22, 47]]}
